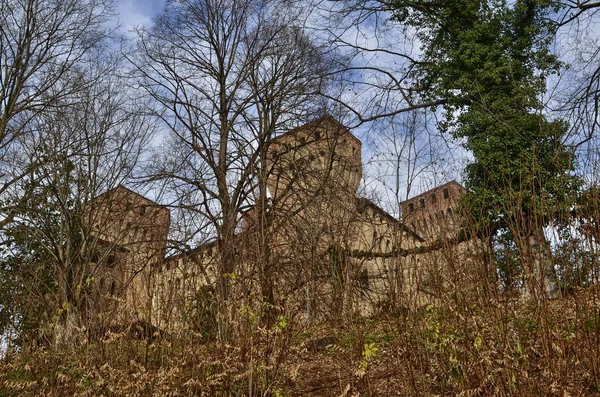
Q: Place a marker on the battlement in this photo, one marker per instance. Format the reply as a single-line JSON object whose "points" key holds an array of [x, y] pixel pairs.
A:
{"points": [[434, 212], [318, 158]]}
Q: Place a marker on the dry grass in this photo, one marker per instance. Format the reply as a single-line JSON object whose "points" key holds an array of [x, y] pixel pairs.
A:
{"points": [[501, 348]]}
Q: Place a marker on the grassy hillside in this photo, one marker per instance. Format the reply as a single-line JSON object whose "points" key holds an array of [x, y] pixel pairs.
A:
{"points": [[506, 347]]}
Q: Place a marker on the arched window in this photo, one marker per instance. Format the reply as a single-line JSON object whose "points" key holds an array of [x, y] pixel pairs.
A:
{"points": [[446, 194], [422, 202]]}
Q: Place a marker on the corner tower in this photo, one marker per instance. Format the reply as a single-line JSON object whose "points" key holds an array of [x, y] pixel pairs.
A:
{"points": [[320, 159], [434, 213]]}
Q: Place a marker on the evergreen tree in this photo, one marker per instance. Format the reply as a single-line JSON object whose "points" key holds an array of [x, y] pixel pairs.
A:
{"points": [[489, 60]]}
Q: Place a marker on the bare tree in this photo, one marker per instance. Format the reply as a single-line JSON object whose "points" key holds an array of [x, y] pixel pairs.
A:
{"points": [[41, 42], [88, 143], [379, 59], [226, 76]]}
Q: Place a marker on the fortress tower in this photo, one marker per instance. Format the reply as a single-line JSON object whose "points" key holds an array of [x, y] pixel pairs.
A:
{"points": [[318, 161], [132, 234], [434, 213]]}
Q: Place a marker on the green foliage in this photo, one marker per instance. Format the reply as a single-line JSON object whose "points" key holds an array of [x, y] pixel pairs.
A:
{"points": [[44, 265], [25, 270], [489, 60], [508, 266], [368, 353]]}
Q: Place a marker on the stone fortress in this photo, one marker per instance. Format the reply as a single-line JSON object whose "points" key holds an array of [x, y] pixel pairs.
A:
{"points": [[315, 219]]}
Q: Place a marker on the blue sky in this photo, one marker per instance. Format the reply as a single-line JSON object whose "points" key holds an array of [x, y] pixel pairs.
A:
{"points": [[137, 12], [134, 13]]}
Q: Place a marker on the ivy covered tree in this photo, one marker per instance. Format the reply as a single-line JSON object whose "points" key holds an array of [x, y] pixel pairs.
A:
{"points": [[489, 61]]}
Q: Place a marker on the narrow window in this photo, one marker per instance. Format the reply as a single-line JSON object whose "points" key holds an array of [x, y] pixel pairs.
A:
{"points": [[317, 135], [446, 194], [433, 198], [422, 202], [450, 214], [411, 208]]}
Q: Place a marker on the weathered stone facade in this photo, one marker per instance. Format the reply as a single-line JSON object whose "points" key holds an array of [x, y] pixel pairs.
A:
{"points": [[318, 229], [132, 231], [433, 214]]}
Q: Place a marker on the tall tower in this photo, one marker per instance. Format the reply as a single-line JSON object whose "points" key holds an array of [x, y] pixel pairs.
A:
{"points": [[434, 214], [131, 234], [320, 161]]}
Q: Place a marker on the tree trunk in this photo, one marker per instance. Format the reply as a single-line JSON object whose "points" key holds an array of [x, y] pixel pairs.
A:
{"points": [[540, 278]]}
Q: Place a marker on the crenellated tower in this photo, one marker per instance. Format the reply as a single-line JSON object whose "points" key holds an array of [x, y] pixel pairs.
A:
{"points": [[318, 162], [434, 213]]}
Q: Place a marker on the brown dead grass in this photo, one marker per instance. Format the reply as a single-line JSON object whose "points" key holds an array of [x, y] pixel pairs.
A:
{"points": [[507, 347]]}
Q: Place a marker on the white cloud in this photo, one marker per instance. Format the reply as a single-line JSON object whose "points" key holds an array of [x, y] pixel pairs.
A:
{"points": [[134, 13]]}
